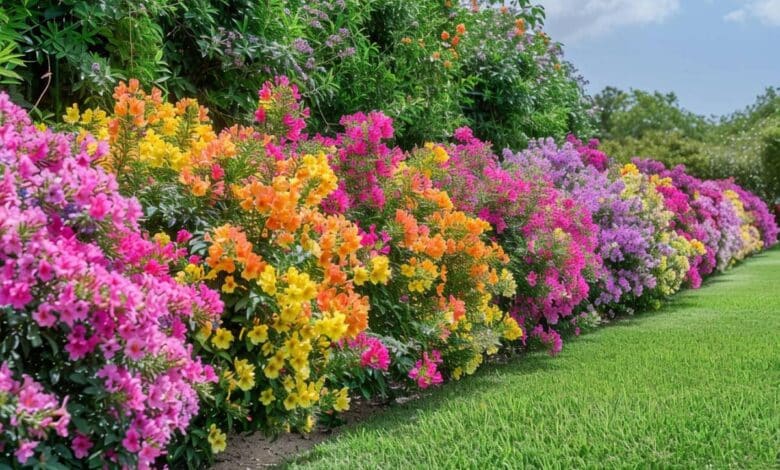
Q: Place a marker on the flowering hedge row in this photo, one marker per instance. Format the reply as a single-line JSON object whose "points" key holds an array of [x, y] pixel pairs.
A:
{"points": [[159, 276]]}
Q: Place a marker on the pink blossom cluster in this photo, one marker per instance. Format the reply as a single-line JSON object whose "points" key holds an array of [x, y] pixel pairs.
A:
{"points": [[373, 353], [425, 371], [362, 160], [30, 414], [550, 338], [280, 112], [376, 243], [77, 270], [590, 154]]}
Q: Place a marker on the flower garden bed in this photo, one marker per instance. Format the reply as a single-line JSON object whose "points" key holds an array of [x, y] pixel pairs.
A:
{"points": [[165, 285]]}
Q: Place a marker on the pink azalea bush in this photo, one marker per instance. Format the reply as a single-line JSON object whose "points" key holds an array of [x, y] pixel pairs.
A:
{"points": [[93, 325]]}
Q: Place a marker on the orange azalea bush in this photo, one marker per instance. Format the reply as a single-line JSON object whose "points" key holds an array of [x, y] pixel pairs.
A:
{"points": [[247, 202]]}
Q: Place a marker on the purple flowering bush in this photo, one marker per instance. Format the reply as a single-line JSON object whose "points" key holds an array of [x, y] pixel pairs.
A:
{"points": [[641, 254]]}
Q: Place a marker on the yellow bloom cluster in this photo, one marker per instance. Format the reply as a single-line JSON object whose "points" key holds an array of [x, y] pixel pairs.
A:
{"points": [[147, 133], [751, 237]]}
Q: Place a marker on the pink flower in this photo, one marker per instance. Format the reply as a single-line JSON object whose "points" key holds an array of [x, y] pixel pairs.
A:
{"points": [[99, 207], [217, 173], [183, 236], [132, 440], [135, 349], [45, 271], [43, 316], [81, 445], [531, 278], [25, 451], [375, 356], [425, 372]]}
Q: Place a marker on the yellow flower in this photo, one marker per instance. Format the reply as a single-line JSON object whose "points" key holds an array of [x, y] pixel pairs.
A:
{"points": [[71, 114], [267, 397], [309, 425], [513, 330], [360, 276], [334, 327], [217, 439], [457, 373], [246, 374], [291, 402], [439, 154], [380, 270], [698, 246], [204, 332], [629, 169], [162, 238], [274, 366], [267, 280], [86, 116], [407, 270], [230, 285], [258, 334], [222, 339], [342, 400], [193, 272]]}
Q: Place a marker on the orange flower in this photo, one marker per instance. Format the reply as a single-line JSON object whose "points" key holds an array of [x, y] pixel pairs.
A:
{"points": [[445, 35], [436, 247], [253, 266], [199, 187], [460, 28], [455, 41]]}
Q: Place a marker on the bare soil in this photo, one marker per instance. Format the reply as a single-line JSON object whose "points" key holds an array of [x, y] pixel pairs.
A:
{"points": [[257, 451]]}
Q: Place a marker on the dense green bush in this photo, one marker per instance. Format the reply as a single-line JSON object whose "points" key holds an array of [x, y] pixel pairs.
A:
{"points": [[428, 64]]}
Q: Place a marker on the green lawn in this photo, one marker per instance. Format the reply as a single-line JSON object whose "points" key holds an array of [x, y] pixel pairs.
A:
{"points": [[694, 385]]}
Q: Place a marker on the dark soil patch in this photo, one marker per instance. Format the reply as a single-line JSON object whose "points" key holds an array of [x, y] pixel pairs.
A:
{"points": [[258, 451]]}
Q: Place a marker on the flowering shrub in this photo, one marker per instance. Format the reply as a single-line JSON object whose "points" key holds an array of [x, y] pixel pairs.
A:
{"points": [[716, 214], [438, 300], [550, 239], [285, 269], [95, 369], [639, 252]]}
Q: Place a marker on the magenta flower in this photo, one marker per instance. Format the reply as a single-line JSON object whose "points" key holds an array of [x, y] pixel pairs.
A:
{"points": [[425, 372], [81, 445]]}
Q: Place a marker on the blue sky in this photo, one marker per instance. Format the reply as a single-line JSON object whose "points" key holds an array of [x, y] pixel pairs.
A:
{"points": [[716, 55]]}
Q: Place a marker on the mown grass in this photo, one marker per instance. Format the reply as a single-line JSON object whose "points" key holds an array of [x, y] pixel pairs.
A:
{"points": [[693, 385]]}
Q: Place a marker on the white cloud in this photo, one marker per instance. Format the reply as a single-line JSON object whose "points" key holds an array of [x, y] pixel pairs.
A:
{"points": [[765, 11], [570, 20], [736, 16]]}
